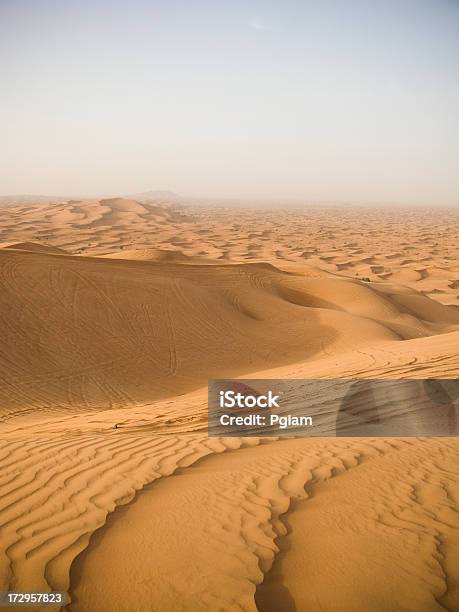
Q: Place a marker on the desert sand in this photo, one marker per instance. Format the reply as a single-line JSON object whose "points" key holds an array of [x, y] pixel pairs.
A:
{"points": [[115, 313]]}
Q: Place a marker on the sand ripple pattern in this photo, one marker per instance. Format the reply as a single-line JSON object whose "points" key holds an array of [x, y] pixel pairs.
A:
{"points": [[55, 493]]}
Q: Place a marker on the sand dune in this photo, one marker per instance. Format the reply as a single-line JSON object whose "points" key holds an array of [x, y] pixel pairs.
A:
{"points": [[400, 492], [417, 248], [33, 247], [104, 333], [240, 511], [165, 255], [114, 314], [58, 488]]}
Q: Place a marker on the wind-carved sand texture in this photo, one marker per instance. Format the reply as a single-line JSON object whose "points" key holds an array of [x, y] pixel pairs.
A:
{"points": [[114, 314]]}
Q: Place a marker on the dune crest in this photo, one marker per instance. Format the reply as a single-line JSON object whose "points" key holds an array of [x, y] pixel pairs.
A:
{"points": [[33, 247], [165, 255]]}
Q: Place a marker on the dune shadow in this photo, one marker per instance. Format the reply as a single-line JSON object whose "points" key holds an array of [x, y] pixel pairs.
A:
{"points": [[399, 408]]}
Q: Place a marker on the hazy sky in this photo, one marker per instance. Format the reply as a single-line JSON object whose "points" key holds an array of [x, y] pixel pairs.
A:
{"points": [[312, 99]]}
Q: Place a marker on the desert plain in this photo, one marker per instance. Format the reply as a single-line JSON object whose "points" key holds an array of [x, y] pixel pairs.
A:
{"points": [[114, 313]]}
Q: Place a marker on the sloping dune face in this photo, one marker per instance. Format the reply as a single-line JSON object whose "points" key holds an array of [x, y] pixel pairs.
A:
{"points": [[160, 255], [33, 247], [238, 510], [85, 332]]}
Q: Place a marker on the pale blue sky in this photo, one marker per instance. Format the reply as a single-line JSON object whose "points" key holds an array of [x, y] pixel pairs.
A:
{"points": [[318, 100]]}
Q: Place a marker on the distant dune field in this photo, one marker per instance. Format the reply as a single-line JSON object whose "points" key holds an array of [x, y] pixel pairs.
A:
{"points": [[114, 314]]}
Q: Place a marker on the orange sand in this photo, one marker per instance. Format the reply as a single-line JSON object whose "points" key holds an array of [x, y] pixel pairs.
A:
{"points": [[119, 311]]}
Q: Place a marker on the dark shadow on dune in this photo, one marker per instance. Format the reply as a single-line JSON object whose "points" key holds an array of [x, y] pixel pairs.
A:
{"points": [[272, 595], [400, 408]]}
